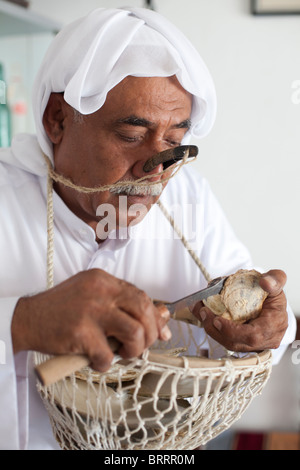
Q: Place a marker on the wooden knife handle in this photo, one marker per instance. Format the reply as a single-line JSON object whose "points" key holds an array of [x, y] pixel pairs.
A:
{"points": [[59, 367]]}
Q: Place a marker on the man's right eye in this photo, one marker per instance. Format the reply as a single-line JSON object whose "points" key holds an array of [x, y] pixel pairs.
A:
{"points": [[129, 137]]}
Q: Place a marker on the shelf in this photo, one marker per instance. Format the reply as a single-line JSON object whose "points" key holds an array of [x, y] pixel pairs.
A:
{"points": [[16, 20]]}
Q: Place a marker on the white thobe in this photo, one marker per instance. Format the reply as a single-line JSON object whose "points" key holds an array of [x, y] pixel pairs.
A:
{"points": [[152, 258]]}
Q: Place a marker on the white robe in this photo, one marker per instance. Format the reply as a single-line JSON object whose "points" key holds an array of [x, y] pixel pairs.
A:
{"points": [[152, 258]]}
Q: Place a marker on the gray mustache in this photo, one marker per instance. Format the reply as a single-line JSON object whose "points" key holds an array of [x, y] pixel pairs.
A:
{"points": [[136, 190]]}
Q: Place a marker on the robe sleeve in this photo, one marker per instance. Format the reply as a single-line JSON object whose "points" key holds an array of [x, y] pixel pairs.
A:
{"points": [[13, 384], [288, 338]]}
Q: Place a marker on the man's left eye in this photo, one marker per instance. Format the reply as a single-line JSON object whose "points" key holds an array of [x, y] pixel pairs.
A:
{"points": [[173, 143], [130, 138]]}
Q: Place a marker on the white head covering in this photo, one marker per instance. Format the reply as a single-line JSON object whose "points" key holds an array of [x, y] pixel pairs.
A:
{"points": [[93, 54]]}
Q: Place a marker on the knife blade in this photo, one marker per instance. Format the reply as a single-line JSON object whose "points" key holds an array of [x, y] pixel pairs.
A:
{"points": [[213, 288]]}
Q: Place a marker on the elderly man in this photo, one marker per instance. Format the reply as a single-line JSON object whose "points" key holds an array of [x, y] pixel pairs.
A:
{"points": [[116, 88]]}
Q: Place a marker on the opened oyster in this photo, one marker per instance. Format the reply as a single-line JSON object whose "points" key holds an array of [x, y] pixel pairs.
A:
{"points": [[241, 298]]}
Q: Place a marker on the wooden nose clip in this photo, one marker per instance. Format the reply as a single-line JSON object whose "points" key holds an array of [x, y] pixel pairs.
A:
{"points": [[169, 157]]}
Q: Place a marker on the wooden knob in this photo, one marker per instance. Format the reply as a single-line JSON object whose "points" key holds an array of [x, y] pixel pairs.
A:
{"points": [[170, 156], [59, 367]]}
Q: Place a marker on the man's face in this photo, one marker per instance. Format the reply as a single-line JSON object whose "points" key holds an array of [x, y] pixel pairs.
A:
{"points": [[140, 117]]}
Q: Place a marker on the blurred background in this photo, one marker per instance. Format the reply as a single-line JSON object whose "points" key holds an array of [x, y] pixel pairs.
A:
{"points": [[251, 158]]}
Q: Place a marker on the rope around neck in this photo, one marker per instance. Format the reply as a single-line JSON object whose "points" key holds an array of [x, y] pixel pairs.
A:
{"points": [[184, 241], [142, 182], [53, 176]]}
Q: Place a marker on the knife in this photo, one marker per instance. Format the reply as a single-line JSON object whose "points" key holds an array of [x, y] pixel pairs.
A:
{"points": [[58, 367], [213, 288]]}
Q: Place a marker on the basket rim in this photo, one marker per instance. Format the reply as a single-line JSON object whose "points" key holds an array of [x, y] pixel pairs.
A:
{"points": [[193, 362]]}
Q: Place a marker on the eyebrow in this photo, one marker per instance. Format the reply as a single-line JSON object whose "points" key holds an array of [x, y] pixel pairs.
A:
{"points": [[141, 122]]}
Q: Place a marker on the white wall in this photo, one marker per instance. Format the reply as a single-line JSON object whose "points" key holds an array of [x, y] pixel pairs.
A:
{"points": [[252, 156]]}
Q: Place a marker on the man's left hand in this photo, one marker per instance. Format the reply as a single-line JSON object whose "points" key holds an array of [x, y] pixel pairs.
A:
{"points": [[265, 332]]}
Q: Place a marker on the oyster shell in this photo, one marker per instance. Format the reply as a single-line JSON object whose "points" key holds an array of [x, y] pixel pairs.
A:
{"points": [[241, 298]]}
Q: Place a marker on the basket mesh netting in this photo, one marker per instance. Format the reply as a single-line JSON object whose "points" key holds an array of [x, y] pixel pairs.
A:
{"points": [[166, 400], [173, 397]]}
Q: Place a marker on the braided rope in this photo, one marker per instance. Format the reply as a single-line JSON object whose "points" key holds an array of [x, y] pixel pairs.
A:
{"points": [[139, 182], [54, 176], [184, 241], [50, 233]]}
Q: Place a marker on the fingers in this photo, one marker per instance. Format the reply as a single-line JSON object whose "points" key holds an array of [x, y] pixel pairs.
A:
{"points": [[163, 318], [78, 315], [137, 333], [129, 337], [228, 334], [273, 282], [150, 319], [100, 357], [264, 332], [134, 321], [127, 313], [235, 336]]}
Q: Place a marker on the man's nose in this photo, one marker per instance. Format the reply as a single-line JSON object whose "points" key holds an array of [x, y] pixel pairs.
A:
{"points": [[138, 171], [170, 156], [162, 160], [153, 148]]}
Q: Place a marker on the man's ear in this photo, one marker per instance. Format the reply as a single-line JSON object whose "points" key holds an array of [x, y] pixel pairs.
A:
{"points": [[54, 116]]}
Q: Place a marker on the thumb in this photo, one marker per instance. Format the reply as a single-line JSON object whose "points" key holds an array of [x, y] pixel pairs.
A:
{"points": [[273, 282], [163, 318]]}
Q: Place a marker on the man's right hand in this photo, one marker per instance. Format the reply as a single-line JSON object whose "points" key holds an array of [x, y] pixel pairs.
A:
{"points": [[78, 315]]}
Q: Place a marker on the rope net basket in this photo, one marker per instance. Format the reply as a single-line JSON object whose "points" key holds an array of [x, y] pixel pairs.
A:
{"points": [[165, 400], [171, 398]]}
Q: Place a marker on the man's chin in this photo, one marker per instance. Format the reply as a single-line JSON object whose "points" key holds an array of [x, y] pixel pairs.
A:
{"points": [[143, 200], [136, 209], [122, 212]]}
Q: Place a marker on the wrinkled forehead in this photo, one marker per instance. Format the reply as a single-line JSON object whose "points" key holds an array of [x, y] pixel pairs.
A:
{"points": [[156, 91], [157, 103]]}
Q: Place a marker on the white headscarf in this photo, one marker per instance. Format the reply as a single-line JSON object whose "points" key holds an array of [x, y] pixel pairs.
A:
{"points": [[93, 54]]}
